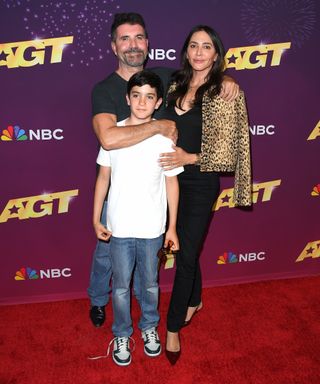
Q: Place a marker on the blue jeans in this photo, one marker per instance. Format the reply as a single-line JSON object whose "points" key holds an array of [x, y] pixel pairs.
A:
{"points": [[125, 254], [100, 276], [99, 288]]}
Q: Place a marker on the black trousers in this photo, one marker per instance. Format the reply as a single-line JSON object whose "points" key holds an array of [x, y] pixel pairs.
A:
{"points": [[198, 192]]}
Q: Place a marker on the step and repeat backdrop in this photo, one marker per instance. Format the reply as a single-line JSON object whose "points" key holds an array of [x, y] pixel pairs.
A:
{"points": [[51, 55]]}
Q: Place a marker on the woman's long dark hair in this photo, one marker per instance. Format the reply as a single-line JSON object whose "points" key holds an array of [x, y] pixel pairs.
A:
{"points": [[183, 77]]}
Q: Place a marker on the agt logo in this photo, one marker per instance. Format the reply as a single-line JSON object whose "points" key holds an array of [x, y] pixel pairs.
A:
{"points": [[159, 54], [31, 274], [255, 56], [34, 207], [15, 133], [312, 250], [316, 190], [232, 258], [260, 191], [260, 130], [315, 132], [252, 57], [33, 52]]}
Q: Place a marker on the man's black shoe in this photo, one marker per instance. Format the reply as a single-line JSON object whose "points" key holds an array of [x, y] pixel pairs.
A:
{"points": [[97, 315]]}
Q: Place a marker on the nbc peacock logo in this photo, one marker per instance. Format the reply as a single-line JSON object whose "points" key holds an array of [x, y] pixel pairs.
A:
{"points": [[46, 273], [26, 274], [316, 190], [227, 258], [14, 133], [232, 258]]}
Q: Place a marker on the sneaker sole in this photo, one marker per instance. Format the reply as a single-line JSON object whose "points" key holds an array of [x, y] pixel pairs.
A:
{"points": [[152, 354], [121, 364]]}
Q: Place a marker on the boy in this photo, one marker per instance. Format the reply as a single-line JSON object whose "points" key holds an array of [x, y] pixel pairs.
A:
{"points": [[136, 217]]}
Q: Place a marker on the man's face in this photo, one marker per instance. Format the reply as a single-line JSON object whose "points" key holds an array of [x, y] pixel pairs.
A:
{"points": [[131, 45]]}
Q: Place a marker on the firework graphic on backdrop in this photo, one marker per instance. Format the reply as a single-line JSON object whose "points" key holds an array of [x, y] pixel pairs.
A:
{"points": [[89, 21], [12, 3], [278, 20]]}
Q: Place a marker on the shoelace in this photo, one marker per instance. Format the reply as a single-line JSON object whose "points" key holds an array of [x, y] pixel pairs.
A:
{"points": [[151, 336], [121, 345]]}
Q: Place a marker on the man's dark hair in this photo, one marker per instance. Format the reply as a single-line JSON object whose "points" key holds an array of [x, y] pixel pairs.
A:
{"points": [[146, 77], [127, 18]]}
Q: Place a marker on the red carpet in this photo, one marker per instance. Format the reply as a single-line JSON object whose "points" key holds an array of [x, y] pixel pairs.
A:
{"points": [[261, 333]]}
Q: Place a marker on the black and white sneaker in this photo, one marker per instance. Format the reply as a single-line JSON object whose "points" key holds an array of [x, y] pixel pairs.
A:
{"points": [[152, 346], [121, 353]]}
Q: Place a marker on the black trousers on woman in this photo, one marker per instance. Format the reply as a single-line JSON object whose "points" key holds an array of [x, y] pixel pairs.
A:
{"points": [[198, 192]]}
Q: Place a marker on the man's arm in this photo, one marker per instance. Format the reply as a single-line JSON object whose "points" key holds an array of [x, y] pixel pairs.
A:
{"points": [[172, 188], [112, 137], [101, 189]]}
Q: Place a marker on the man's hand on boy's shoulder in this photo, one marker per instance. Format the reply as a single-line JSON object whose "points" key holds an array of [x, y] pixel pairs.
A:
{"points": [[167, 128]]}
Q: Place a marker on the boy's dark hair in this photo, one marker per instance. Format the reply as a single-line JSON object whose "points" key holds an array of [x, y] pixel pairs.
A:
{"points": [[127, 18], [146, 77]]}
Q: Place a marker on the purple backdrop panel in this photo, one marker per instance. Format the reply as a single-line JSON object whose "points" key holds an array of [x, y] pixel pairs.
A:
{"points": [[52, 53]]}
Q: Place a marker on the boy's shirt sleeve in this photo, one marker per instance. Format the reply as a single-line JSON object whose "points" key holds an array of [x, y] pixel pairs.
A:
{"points": [[167, 147], [104, 158]]}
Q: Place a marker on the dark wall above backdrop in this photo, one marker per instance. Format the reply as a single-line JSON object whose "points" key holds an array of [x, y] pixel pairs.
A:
{"points": [[51, 55]]}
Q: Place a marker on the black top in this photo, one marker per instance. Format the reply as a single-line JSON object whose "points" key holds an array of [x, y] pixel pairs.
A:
{"points": [[189, 126], [109, 95]]}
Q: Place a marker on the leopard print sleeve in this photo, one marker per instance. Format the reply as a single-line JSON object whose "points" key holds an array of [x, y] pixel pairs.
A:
{"points": [[243, 184]]}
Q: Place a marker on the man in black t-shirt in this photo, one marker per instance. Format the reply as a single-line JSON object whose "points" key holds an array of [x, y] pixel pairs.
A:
{"points": [[130, 45], [109, 105]]}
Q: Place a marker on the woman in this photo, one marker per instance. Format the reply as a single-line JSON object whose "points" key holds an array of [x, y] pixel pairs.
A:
{"points": [[213, 136]]}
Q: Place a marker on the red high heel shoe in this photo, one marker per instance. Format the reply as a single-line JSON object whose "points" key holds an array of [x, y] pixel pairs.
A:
{"points": [[173, 356]]}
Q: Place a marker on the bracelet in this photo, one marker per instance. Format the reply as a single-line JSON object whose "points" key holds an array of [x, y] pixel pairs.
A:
{"points": [[197, 162]]}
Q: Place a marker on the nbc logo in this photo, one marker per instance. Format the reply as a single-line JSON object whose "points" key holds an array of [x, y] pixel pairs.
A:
{"points": [[316, 190], [227, 257], [26, 274], [31, 274], [232, 258], [15, 133]]}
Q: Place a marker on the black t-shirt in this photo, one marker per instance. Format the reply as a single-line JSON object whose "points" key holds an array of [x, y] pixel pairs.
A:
{"points": [[109, 95]]}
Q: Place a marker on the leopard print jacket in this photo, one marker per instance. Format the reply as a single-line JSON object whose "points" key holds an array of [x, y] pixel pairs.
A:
{"points": [[225, 145]]}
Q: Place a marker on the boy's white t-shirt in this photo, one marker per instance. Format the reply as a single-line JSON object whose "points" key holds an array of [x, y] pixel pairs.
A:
{"points": [[137, 200]]}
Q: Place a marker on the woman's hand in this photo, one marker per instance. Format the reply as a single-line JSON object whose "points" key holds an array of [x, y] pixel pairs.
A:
{"points": [[178, 158], [171, 240], [101, 232]]}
